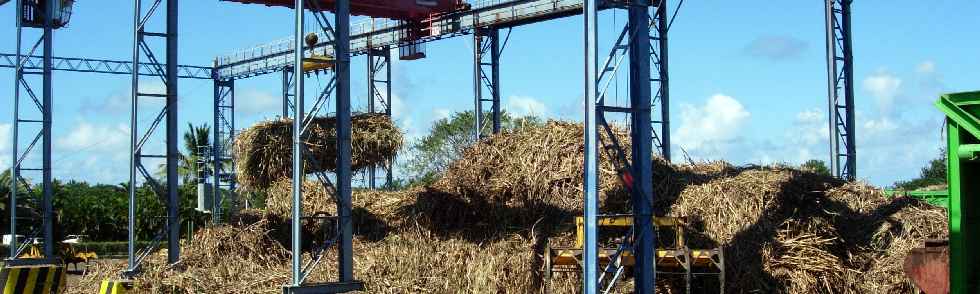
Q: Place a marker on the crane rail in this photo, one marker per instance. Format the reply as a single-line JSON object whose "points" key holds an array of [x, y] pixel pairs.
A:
{"points": [[373, 34]]}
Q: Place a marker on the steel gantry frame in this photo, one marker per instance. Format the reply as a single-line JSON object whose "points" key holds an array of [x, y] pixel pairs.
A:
{"points": [[141, 92], [486, 76], [840, 89], [634, 43], [379, 92], [43, 105], [223, 167], [339, 36]]}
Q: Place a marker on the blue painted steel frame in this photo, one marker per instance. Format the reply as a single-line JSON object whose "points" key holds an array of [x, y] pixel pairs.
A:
{"points": [[105, 66], [840, 82], [44, 134], [168, 115]]}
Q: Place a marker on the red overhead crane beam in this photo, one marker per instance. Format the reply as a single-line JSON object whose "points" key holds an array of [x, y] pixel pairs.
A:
{"points": [[392, 9]]}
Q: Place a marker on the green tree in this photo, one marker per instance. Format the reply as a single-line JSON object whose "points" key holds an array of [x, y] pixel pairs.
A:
{"points": [[195, 137], [816, 166], [447, 139], [934, 173]]}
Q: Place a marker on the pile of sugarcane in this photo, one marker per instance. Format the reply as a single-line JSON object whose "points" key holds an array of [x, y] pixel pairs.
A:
{"points": [[483, 226]]}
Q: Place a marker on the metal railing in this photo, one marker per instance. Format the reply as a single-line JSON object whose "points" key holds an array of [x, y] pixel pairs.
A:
{"points": [[375, 33]]}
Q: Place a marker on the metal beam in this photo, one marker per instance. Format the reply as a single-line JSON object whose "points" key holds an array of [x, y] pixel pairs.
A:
{"points": [[173, 154], [43, 124], [297, 271], [661, 137], [167, 73], [272, 58], [486, 44], [223, 169], [105, 66], [642, 170], [379, 91], [840, 89], [590, 258], [47, 217], [288, 91], [345, 256]]}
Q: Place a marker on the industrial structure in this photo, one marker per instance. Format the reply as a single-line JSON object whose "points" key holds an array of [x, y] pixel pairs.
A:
{"points": [[642, 44]]}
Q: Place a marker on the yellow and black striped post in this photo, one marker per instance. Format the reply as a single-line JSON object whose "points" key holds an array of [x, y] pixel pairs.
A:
{"points": [[116, 287], [33, 279]]}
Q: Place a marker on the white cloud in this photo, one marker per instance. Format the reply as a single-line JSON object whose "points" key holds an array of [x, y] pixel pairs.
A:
{"points": [[810, 127], [524, 105], [709, 127], [96, 138], [252, 102], [884, 87]]}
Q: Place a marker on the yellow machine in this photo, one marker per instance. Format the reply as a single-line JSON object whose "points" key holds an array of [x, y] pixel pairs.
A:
{"points": [[317, 63], [674, 259], [69, 251]]}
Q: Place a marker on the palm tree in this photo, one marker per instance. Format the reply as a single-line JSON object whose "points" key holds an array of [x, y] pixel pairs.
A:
{"points": [[195, 137]]}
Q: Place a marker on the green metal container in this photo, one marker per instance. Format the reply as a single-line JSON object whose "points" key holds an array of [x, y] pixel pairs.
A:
{"points": [[963, 158]]}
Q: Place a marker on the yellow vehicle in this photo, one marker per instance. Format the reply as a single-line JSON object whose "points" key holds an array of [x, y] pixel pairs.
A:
{"points": [[673, 260], [69, 251]]}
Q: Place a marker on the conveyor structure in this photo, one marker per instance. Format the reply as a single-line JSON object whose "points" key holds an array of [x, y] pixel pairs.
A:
{"points": [[496, 14]]}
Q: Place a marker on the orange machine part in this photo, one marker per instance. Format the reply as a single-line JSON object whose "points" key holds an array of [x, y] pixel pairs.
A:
{"points": [[393, 9], [929, 268]]}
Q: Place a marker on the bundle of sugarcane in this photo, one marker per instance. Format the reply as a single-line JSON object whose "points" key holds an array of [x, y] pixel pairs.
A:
{"points": [[534, 165], [264, 151]]}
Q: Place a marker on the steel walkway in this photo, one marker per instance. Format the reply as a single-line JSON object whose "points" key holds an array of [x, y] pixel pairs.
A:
{"points": [[372, 33]]}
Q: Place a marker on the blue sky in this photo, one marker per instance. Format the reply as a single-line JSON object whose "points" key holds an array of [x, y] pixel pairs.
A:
{"points": [[748, 79]]}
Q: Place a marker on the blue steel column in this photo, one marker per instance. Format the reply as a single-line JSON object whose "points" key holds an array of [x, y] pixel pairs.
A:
{"points": [[287, 86], [14, 172], [851, 162], [297, 145], [216, 153], [495, 77], [642, 190], [373, 170], [840, 77], [173, 217], [664, 78], [224, 97], [477, 85], [590, 8], [342, 48], [134, 155], [48, 216]]}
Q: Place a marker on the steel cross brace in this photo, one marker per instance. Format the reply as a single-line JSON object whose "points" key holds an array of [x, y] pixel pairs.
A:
{"points": [[486, 42], [840, 90], [43, 105], [379, 92], [168, 74]]}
